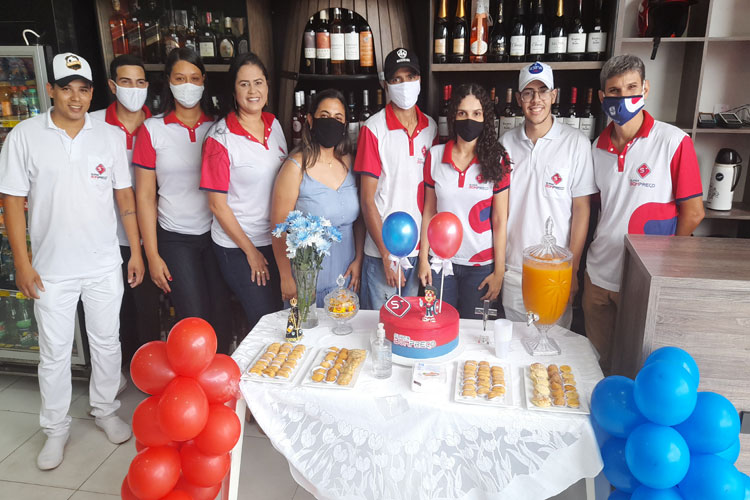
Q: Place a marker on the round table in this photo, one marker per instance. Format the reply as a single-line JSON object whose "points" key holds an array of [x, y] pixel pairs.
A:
{"points": [[380, 440]]}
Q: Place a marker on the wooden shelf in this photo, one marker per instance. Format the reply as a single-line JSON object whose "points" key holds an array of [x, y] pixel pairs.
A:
{"points": [[683, 39], [739, 211], [719, 130], [211, 68], [305, 77], [737, 38], [557, 66]]}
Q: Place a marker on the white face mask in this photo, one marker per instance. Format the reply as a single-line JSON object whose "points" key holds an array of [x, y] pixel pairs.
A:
{"points": [[132, 98], [187, 94], [404, 95]]}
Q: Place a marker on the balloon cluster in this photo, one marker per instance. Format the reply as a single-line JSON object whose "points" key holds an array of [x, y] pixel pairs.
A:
{"points": [[401, 234], [666, 440], [184, 431]]}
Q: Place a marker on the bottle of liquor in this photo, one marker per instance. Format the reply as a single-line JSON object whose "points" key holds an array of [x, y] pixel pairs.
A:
{"points": [[310, 102], [352, 120], [170, 36], [308, 48], [379, 100], [577, 36], [493, 100], [365, 113], [338, 52], [191, 36], [182, 26], [518, 119], [135, 37], [508, 118], [243, 42], [459, 33], [596, 38], [443, 115], [227, 43], [323, 45], [518, 38], [556, 105], [572, 117], [351, 45], [366, 49], [297, 119], [498, 41], [588, 121], [558, 36], [440, 34], [117, 30], [207, 41], [537, 34], [479, 33]]}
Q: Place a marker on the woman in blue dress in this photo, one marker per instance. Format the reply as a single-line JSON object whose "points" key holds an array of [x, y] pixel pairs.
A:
{"points": [[316, 178]]}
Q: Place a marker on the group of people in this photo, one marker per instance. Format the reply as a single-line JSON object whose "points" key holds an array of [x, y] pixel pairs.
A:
{"points": [[199, 195]]}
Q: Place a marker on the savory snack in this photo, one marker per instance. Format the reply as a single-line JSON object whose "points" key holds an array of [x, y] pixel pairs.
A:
{"points": [[338, 366], [553, 386], [279, 361], [482, 381]]}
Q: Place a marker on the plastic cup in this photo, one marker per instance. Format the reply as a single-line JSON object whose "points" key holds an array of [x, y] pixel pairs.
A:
{"points": [[503, 335]]}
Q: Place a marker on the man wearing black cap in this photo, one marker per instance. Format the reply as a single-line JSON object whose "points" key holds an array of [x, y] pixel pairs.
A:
{"points": [[391, 152], [72, 169]]}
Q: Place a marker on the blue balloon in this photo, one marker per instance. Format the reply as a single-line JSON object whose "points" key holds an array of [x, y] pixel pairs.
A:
{"points": [[713, 426], [613, 406], [665, 392], [746, 480], [732, 453], [616, 467], [657, 455], [712, 477], [618, 495], [400, 233], [681, 356], [599, 433], [646, 493]]}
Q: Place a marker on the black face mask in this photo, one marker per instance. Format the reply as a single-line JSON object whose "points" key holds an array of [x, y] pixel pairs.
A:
{"points": [[328, 132], [469, 129]]}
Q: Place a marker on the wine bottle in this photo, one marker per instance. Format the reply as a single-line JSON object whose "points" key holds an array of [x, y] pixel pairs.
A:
{"points": [[479, 34], [227, 44], [518, 38], [297, 118], [443, 115], [191, 35], [493, 100], [308, 50], [338, 52], [587, 120], [323, 45], [498, 50], [508, 118], [577, 36], [207, 41], [351, 45], [117, 30], [556, 105], [379, 100], [440, 34], [458, 35], [170, 36], [537, 34], [366, 49], [558, 36], [572, 117], [352, 120], [596, 38], [135, 37], [310, 102], [365, 113]]}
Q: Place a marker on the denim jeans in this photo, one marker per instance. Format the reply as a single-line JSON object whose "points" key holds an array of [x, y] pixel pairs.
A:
{"points": [[198, 289], [257, 300], [375, 291], [461, 289]]}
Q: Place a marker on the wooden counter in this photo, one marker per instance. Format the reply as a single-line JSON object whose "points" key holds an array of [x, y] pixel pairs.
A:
{"points": [[692, 293]]}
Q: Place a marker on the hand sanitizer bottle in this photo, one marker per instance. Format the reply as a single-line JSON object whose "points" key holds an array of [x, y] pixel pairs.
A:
{"points": [[382, 366]]}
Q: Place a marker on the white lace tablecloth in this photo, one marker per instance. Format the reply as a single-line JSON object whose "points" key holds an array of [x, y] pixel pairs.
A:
{"points": [[382, 441]]}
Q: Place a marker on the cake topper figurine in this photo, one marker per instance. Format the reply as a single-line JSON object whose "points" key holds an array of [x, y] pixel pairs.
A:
{"points": [[293, 331], [429, 303]]}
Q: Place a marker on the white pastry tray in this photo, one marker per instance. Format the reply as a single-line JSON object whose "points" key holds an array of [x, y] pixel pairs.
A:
{"points": [[501, 402], [528, 385], [300, 368], [309, 382]]}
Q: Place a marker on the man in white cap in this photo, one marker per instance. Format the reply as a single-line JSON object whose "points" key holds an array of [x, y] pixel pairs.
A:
{"points": [[552, 176], [72, 169]]}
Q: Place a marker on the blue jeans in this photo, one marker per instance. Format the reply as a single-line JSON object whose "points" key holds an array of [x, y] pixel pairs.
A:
{"points": [[375, 291], [257, 300], [461, 289]]}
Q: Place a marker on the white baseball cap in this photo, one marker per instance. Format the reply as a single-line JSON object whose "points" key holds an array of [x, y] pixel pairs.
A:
{"points": [[536, 71], [68, 66]]}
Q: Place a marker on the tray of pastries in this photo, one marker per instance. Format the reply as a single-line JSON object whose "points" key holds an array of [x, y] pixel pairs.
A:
{"points": [[336, 368], [553, 388], [278, 363], [483, 383]]}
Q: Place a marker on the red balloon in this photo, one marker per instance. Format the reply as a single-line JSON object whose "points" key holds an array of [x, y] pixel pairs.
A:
{"points": [[154, 472], [197, 492], [177, 495], [146, 424], [191, 346], [203, 470], [221, 380], [445, 234], [139, 447], [221, 433], [150, 368], [125, 493], [183, 409]]}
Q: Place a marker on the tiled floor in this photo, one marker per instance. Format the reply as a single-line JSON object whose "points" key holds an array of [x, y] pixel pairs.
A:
{"points": [[94, 468]]}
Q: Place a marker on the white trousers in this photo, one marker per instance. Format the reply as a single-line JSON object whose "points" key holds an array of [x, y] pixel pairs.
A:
{"points": [[55, 312], [513, 301]]}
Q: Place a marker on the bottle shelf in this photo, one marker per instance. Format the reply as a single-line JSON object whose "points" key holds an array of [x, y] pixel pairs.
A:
{"points": [[682, 39], [557, 66], [6, 123], [718, 130], [739, 211], [307, 77], [738, 38], [211, 68]]}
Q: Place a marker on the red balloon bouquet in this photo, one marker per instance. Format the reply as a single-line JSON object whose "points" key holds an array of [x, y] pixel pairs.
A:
{"points": [[154, 472], [150, 368], [221, 432], [191, 346], [221, 380], [183, 409]]}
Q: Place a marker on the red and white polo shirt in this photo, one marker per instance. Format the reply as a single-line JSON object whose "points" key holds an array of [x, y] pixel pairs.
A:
{"points": [[546, 176], [238, 164], [387, 152], [640, 189], [109, 115], [466, 195], [173, 149]]}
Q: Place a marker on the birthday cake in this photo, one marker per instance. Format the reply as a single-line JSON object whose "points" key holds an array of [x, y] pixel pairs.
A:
{"points": [[415, 337]]}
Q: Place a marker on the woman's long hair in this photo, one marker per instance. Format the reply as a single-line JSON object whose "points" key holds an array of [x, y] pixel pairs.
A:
{"points": [[492, 157], [167, 99], [309, 148]]}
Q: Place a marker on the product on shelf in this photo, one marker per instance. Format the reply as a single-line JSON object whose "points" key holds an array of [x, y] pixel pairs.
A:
{"points": [[587, 119], [207, 41], [308, 48], [497, 52], [577, 35], [366, 49], [537, 34], [508, 116], [351, 44], [596, 39], [459, 33], [352, 119], [117, 32], [572, 119], [518, 36], [443, 116], [479, 33], [298, 117], [440, 34], [364, 112], [323, 45], [338, 53], [558, 36], [227, 43]]}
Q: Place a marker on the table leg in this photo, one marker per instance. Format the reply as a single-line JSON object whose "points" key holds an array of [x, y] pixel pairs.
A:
{"points": [[230, 488], [590, 488]]}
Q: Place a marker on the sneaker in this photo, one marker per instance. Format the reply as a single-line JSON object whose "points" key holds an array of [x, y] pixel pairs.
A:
{"points": [[113, 426], [52, 453]]}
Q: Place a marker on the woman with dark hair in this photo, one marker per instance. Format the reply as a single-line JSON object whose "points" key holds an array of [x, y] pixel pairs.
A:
{"points": [[173, 214], [241, 156], [469, 176], [317, 179]]}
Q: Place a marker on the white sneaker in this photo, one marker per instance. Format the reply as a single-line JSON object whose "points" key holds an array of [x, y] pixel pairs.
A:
{"points": [[113, 426], [52, 452]]}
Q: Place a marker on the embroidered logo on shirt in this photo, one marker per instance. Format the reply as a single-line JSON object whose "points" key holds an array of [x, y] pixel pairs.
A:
{"points": [[99, 173], [424, 151], [556, 178], [643, 170], [100, 169]]}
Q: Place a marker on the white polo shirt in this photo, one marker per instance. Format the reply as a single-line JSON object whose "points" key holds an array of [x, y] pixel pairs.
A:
{"points": [[640, 189], [109, 115], [546, 176], [173, 149], [466, 195], [236, 163], [69, 184], [387, 152]]}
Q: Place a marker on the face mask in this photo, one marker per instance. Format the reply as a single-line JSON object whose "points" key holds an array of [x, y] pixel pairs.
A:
{"points": [[404, 95], [132, 98], [187, 94], [622, 109], [328, 132], [469, 129]]}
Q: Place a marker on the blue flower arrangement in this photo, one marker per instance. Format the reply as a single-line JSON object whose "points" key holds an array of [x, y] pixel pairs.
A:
{"points": [[308, 238]]}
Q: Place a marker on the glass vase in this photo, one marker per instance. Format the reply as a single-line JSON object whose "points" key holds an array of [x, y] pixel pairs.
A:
{"points": [[307, 284]]}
